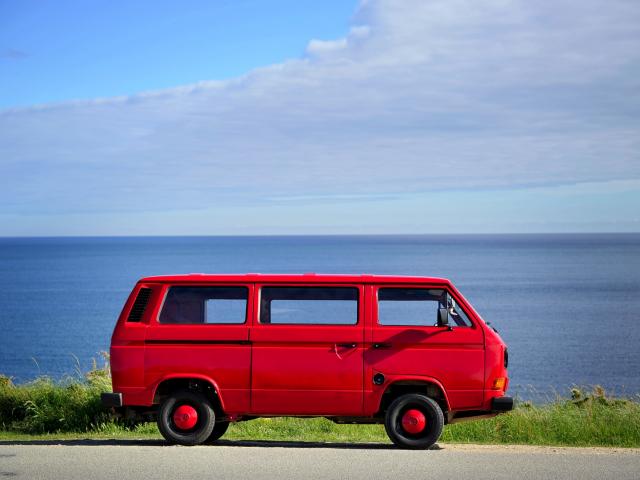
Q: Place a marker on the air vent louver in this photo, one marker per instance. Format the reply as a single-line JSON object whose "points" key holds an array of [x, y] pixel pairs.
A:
{"points": [[135, 315]]}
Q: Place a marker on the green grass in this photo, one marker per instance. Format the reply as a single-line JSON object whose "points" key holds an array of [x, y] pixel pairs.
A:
{"points": [[47, 410], [45, 406], [585, 420]]}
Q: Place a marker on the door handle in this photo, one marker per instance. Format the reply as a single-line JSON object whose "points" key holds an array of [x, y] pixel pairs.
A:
{"points": [[378, 346], [347, 345]]}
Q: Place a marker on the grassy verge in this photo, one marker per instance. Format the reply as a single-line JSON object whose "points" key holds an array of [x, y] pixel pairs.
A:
{"points": [[71, 409]]}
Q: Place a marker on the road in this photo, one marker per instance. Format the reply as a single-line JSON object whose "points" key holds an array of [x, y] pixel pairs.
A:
{"points": [[97, 459]]}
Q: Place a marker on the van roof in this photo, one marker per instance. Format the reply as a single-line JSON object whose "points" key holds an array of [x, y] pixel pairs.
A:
{"points": [[294, 278]]}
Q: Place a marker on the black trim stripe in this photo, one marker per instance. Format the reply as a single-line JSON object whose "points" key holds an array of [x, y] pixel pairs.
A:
{"points": [[197, 342]]}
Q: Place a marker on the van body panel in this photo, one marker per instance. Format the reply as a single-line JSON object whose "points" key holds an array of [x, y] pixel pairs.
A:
{"points": [[495, 368], [453, 356], [126, 354], [220, 354], [224, 366], [307, 369]]}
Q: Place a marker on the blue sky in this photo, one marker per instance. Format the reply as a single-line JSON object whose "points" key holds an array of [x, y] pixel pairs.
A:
{"points": [[60, 50], [296, 117]]}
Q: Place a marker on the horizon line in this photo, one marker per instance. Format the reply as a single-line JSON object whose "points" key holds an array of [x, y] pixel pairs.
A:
{"points": [[4, 237]]}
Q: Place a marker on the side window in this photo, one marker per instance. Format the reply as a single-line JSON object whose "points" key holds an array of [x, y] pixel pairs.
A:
{"points": [[417, 306], [205, 305], [309, 305]]}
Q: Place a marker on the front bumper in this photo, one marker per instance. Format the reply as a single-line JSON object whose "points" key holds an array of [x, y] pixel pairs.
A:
{"points": [[110, 400], [501, 404]]}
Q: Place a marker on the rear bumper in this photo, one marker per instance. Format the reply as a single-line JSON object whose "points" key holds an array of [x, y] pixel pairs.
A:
{"points": [[501, 404], [110, 400]]}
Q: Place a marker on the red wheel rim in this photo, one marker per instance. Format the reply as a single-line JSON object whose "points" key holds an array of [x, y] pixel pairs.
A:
{"points": [[185, 417], [413, 421]]}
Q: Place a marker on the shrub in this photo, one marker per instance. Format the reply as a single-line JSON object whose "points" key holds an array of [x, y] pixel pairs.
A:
{"points": [[43, 405]]}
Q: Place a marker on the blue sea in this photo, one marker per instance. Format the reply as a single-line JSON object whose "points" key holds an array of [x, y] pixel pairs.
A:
{"points": [[568, 306]]}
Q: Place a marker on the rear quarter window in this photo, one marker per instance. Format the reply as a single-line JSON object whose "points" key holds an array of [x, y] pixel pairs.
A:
{"points": [[205, 305]]}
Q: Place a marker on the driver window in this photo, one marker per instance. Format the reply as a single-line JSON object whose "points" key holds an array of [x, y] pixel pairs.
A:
{"points": [[417, 306]]}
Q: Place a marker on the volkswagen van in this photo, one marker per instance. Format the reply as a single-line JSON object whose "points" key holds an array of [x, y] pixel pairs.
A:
{"points": [[197, 352]]}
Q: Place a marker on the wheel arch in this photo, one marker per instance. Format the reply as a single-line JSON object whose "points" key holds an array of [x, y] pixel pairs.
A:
{"points": [[428, 386], [192, 382]]}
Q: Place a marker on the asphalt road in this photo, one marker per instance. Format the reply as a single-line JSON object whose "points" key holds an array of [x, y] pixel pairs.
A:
{"points": [[255, 460]]}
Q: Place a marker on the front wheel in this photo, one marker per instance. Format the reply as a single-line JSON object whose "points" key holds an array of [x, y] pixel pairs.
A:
{"points": [[186, 418], [414, 421]]}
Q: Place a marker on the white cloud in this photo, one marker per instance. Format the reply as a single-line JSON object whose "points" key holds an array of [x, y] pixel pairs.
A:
{"points": [[419, 96], [324, 47], [319, 47]]}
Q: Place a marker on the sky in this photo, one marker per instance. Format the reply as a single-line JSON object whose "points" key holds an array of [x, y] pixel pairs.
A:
{"points": [[300, 117]]}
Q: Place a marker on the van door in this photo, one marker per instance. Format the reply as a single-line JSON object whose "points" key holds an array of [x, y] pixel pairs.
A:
{"points": [[406, 341], [307, 350]]}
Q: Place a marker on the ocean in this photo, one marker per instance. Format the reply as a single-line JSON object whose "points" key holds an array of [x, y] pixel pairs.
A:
{"points": [[568, 306]]}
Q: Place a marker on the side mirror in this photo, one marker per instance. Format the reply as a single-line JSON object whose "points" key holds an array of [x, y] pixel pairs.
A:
{"points": [[443, 317]]}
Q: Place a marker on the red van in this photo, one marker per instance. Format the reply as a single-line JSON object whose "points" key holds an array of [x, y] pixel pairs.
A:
{"points": [[199, 351]]}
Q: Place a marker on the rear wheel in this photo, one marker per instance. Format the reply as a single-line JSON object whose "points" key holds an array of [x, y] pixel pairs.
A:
{"points": [[414, 421], [186, 418], [219, 429]]}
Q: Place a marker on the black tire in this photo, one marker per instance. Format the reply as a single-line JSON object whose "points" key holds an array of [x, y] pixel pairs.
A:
{"points": [[428, 407], [219, 430], [203, 427]]}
